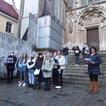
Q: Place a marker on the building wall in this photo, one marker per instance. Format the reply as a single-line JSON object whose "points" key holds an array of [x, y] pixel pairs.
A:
{"points": [[42, 8], [30, 6], [79, 19], [8, 44], [4, 19]]}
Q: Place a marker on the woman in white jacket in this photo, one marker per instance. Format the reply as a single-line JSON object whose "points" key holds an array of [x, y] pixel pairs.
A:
{"points": [[61, 63], [31, 69]]}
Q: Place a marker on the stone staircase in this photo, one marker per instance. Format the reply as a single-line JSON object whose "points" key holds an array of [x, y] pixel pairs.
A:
{"points": [[78, 74]]}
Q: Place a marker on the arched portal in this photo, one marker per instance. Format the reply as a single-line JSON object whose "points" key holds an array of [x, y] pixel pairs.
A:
{"points": [[90, 24]]}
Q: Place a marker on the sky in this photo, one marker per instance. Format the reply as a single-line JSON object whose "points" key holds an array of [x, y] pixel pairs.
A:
{"points": [[17, 3]]}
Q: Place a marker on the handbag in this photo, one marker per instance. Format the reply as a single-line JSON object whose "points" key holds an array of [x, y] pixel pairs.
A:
{"points": [[37, 71]]}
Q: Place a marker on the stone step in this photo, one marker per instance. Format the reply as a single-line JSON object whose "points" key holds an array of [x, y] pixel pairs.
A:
{"points": [[82, 79], [78, 74]]}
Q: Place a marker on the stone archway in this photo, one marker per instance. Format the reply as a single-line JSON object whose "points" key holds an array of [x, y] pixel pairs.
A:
{"points": [[91, 17]]}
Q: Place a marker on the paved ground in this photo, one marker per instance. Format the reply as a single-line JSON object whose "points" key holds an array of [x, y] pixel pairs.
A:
{"points": [[69, 95]]}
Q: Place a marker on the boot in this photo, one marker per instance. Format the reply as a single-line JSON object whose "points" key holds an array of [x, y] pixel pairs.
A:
{"points": [[96, 86], [91, 86]]}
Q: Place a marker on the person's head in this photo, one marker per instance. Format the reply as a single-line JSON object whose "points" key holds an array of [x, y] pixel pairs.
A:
{"points": [[93, 50], [25, 55], [55, 54], [12, 54], [48, 55], [22, 56], [32, 57], [59, 52], [45, 55], [83, 48], [77, 47], [40, 55]]}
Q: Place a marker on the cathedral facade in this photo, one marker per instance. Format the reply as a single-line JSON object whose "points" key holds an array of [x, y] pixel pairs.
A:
{"points": [[86, 23]]}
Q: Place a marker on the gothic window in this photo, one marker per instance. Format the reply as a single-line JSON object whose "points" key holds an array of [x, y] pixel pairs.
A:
{"points": [[8, 27]]}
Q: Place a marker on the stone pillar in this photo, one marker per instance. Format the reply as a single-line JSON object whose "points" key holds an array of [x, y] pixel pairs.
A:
{"points": [[102, 38]]}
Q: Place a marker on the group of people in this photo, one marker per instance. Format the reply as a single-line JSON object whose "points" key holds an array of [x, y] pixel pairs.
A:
{"points": [[77, 51], [33, 71], [45, 69]]}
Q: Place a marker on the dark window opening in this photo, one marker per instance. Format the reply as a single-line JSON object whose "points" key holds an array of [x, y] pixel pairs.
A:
{"points": [[8, 27]]}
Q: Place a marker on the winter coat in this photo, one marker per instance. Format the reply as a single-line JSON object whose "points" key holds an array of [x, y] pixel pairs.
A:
{"points": [[22, 65], [38, 63], [47, 67], [65, 51], [94, 68], [11, 65], [61, 61], [77, 52], [31, 66]]}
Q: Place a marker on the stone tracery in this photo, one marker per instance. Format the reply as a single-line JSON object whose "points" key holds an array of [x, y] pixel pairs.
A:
{"points": [[91, 16]]}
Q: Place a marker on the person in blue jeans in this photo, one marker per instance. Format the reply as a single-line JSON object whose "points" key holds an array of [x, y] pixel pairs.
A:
{"points": [[22, 68], [31, 69]]}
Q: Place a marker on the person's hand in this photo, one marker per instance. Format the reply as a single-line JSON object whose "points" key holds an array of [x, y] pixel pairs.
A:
{"points": [[93, 62]]}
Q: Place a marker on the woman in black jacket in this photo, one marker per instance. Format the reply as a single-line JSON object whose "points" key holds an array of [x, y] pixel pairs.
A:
{"points": [[77, 53], [94, 69], [38, 65]]}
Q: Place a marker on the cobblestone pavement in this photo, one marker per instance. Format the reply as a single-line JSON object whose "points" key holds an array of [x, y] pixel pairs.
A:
{"points": [[69, 95]]}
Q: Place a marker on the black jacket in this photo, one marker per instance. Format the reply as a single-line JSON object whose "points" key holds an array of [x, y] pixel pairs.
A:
{"points": [[39, 62], [11, 65]]}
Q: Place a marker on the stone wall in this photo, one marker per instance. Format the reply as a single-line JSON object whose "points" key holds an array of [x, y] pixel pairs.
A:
{"points": [[9, 44]]}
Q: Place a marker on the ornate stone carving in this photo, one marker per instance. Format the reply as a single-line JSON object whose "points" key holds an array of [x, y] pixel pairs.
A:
{"points": [[69, 23], [92, 16]]}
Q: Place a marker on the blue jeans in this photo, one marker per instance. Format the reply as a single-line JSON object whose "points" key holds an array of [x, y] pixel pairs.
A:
{"points": [[66, 59], [77, 59], [31, 78]]}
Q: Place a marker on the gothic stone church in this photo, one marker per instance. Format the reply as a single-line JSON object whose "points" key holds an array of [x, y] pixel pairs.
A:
{"points": [[86, 23]]}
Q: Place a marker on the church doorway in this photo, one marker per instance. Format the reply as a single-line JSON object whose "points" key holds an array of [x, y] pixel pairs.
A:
{"points": [[93, 37]]}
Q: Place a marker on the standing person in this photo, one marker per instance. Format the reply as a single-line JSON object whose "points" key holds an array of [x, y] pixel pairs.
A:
{"points": [[10, 66], [66, 54], [25, 67], [31, 69], [55, 72], [61, 63], [77, 53], [84, 53], [22, 68], [47, 67], [38, 66], [94, 69]]}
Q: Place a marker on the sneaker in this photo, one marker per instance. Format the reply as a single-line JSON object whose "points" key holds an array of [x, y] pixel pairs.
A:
{"points": [[24, 84], [76, 64], [58, 87], [20, 84]]}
